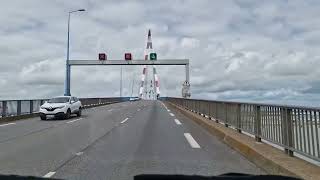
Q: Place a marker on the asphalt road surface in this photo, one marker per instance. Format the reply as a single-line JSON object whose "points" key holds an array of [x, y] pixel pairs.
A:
{"points": [[116, 141]]}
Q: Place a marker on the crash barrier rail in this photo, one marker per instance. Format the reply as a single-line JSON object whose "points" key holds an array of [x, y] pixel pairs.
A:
{"points": [[294, 128], [9, 108]]}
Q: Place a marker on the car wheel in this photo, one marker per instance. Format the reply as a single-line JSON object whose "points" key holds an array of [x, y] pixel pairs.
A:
{"points": [[67, 115], [79, 112], [43, 117]]}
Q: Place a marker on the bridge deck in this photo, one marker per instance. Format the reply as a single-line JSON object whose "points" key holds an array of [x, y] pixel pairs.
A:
{"points": [[116, 142]]}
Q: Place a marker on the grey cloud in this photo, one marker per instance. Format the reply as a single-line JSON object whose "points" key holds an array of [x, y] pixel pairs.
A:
{"points": [[239, 50]]}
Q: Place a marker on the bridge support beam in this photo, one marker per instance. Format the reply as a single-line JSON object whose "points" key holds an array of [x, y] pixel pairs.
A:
{"points": [[185, 62]]}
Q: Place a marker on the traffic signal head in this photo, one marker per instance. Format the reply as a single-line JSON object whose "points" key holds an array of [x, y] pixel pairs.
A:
{"points": [[102, 56], [127, 56], [153, 56]]}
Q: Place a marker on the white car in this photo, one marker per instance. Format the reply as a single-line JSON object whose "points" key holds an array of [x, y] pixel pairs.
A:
{"points": [[62, 106]]}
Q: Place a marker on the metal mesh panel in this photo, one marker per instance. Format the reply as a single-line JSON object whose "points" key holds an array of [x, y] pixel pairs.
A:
{"points": [[36, 105], [25, 107], [12, 108]]}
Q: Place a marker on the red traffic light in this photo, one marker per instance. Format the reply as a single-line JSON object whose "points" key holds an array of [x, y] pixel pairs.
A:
{"points": [[127, 56], [102, 56]]}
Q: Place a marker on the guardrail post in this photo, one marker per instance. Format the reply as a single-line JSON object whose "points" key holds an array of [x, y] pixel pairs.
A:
{"points": [[217, 112], [257, 123], [287, 130], [239, 118], [4, 108], [188, 104], [204, 109], [226, 114], [290, 132], [31, 106], [19, 107], [209, 110]]}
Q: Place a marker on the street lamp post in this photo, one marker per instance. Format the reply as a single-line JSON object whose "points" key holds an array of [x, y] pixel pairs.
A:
{"points": [[67, 81]]}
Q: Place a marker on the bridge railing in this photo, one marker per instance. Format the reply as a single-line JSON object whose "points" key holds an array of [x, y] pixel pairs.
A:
{"points": [[295, 128], [10, 108]]}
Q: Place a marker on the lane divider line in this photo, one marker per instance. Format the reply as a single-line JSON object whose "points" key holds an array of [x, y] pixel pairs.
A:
{"points": [[79, 153], [49, 174], [110, 110], [168, 110], [74, 120], [171, 114], [177, 121], [193, 143], [126, 119], [7, 124], [164, 105]]}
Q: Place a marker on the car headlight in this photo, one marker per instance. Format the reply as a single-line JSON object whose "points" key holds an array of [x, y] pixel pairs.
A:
{"points": [[42, 107], [61, 107]]}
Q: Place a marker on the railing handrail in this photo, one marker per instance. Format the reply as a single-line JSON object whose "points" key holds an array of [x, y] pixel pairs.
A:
{"points": [[259, 104], [294, 128], [30, 106], [38, 99]]}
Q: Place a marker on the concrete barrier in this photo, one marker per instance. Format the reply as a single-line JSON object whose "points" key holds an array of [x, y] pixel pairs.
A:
{"points": [[272, 160]]}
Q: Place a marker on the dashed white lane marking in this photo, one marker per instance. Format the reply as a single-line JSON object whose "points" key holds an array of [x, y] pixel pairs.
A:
{"points": [[193, 143], [110, 110], [168, 110], [49, 174], [74, 120], [177, 121], [79, 153], [138, 110], [164, 105], [126, 119], [7, 124], [171, 114]]}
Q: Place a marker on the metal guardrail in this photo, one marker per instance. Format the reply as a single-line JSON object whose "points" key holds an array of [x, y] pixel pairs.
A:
{"points": [[10, 108], [294, 128]]}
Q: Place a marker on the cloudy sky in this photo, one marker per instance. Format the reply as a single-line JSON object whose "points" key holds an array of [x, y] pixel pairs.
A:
{"points": [[240, 50]]}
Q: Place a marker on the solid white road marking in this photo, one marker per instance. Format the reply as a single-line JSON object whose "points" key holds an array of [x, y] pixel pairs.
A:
{"points": [[171, 114], [79, 153], [7, 124], [193, 143], [164, 105], [126, 119], [74, 120], [177, 121], [49, 174]]}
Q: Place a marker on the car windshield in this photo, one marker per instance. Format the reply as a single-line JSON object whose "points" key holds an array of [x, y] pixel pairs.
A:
{"points": [[59, 100], [107, 89]]}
